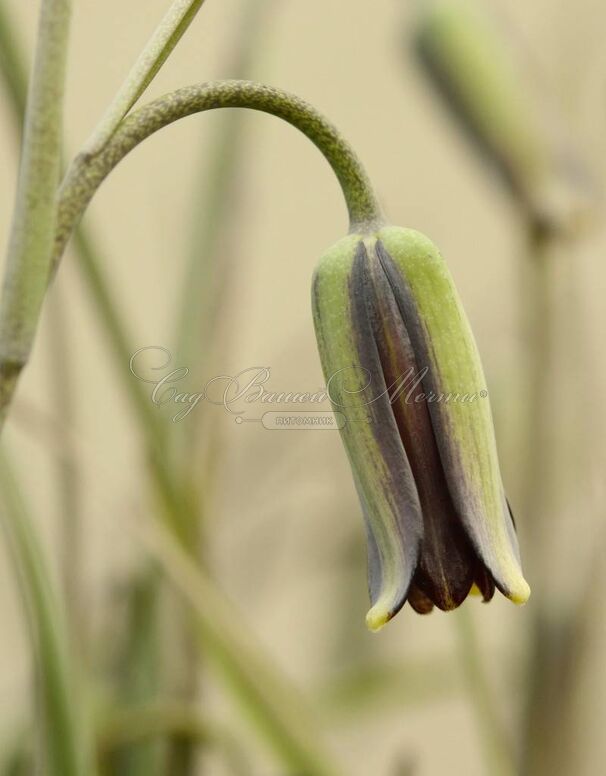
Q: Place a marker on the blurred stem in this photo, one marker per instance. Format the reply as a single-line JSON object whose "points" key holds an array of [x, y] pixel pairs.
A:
{"points": [[561, 644], [34, 219], [168, 720], [212, 214], [498, 751], [177, 503], [277, 710], [537, 293], [559, 626], [64, 399], [214, 210], [64, 744], [169, 32], [275, 707], [139, 676]]}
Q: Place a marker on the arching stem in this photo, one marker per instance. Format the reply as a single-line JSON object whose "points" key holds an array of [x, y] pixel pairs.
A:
{"points": [[87, 172]]}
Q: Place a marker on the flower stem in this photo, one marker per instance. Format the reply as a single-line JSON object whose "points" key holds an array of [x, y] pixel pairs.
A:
{"points": [[33, 226], [88, 172]]}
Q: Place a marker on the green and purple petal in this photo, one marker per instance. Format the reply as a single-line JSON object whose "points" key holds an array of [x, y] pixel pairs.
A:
{"points": [[442, 340], [344, 320]]}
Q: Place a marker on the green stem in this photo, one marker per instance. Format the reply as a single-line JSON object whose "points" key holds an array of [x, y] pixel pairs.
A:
{"points": [[63, 738], [176, 504], [88, 172], [499, 757], [34, 219], [169, 32], [139, 673], [62, 374], [213, 205], [276, 708], [538, 295], [211, 258]]}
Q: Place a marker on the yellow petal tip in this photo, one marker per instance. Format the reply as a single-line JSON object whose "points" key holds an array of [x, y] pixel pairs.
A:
{"points": [[376, 618], [520, 594]]}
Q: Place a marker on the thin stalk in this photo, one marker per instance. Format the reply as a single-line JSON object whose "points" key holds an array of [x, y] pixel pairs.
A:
{"points": [[138, 673], [69, 491], [157, 50], [35, 213], [64, 744], [176, 504], [213, 214], [497, 748], [540, 308], [88, 172], [558, 625], [548, 629], [276, 708], [209, 269]]}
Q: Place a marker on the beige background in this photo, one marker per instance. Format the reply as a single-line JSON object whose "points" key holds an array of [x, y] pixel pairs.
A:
{"points": [[274, 549]]}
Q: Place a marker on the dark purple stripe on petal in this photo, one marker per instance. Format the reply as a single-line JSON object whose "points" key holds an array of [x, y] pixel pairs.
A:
{"points": [[465, 499], [446, 568], [398, 486]]}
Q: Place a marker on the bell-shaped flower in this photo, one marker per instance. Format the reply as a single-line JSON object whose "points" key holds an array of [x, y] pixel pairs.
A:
{"points": [[401, 364]]}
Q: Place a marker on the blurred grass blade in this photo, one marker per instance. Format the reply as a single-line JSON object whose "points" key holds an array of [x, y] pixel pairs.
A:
{"points": [[211, 259], [62, 368], [138, 671], [169, 32], [63, 717], [275, 707], [214, 202]]}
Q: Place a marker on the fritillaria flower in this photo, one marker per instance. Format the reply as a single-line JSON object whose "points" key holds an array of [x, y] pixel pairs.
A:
{"points": [[401, 364]]}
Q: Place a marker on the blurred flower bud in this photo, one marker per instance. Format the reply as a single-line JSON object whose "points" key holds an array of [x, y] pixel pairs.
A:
{"points": [[477, 75]]}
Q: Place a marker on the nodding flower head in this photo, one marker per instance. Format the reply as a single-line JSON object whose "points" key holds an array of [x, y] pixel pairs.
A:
{"points": [[401, 363]]}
